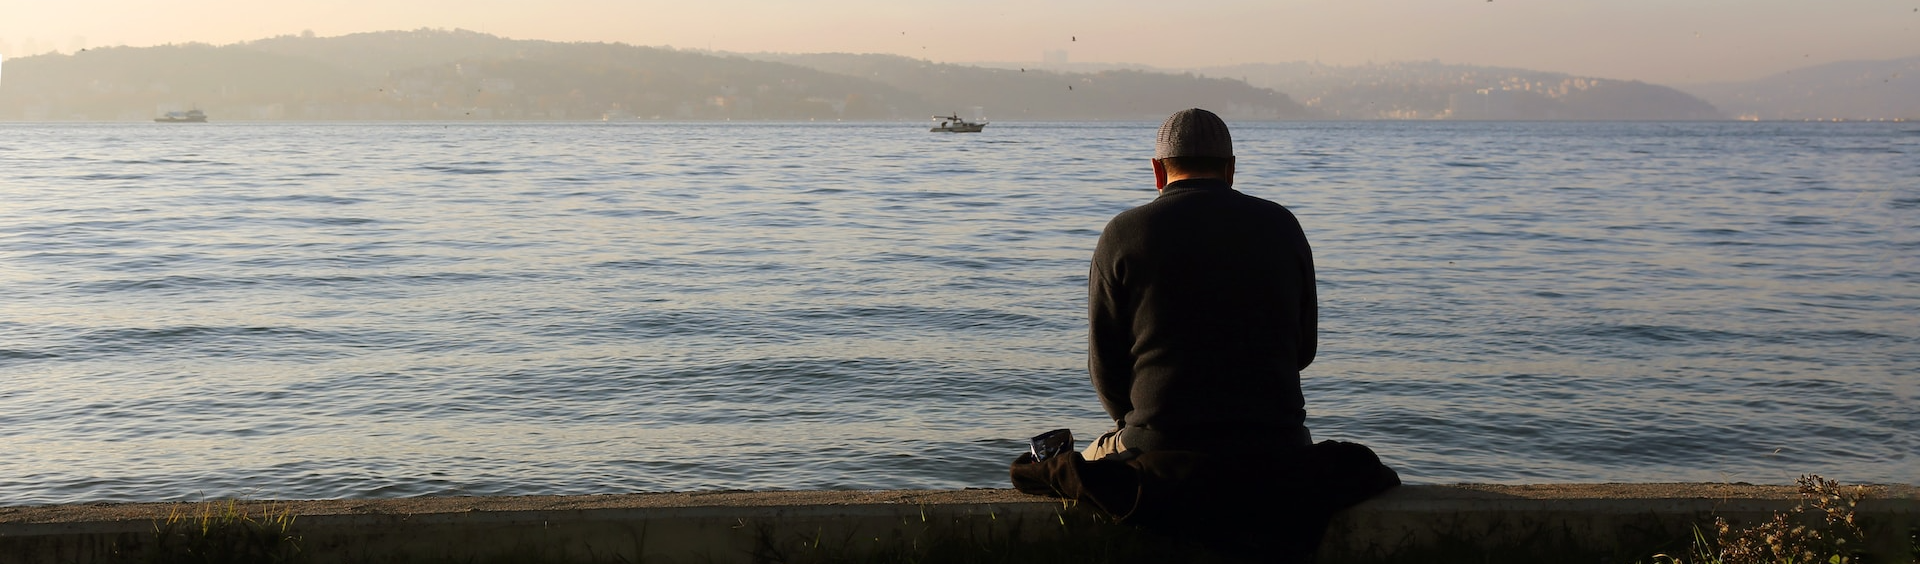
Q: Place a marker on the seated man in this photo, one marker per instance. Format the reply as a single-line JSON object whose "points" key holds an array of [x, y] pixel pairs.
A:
{"points": [[1203, 313], [1202, 308]]}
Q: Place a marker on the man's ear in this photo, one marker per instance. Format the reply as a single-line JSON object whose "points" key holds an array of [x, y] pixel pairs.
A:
{"points": [[1159, 174], [1231, 164]]}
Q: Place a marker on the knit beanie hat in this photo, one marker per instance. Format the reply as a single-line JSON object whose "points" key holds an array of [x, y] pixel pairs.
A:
{"points": [[1193, 133]]}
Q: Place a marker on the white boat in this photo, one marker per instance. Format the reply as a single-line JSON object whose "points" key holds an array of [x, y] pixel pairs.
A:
{"points": [[189, 116], [953, 124]]}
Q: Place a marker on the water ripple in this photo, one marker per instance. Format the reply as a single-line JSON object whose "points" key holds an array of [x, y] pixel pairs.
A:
{"points": [[389, 310]]}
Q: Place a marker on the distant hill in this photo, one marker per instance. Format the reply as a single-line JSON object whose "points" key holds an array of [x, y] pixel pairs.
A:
{"points": [[1434, 90], [431, 74], [380, 52], [1039, 94], [1845, 90], [101, 83], [439, 74]]}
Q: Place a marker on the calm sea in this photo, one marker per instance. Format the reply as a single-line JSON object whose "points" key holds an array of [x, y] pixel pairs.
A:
{"points": [[384, 310]]}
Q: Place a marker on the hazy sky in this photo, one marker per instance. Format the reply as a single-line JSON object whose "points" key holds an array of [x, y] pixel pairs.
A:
{"points": [[1667, 41]]}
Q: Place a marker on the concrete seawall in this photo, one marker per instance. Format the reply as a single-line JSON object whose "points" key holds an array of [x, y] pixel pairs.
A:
{"points": [[1541, 523]]}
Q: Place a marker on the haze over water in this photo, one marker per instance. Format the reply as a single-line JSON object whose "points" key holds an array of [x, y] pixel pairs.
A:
{"points": [[354, 310]]}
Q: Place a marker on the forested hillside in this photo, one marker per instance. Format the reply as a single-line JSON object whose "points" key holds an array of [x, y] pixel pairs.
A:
{"points": [[1845, 90], [1433, 90], [1040, 94], [438, 74]]}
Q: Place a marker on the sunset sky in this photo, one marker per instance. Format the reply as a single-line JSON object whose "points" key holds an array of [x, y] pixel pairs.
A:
{"points": [[1664, 41]]}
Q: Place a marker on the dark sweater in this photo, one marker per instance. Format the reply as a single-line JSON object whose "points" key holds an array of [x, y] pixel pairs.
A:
{"points": [[1202, 314]]}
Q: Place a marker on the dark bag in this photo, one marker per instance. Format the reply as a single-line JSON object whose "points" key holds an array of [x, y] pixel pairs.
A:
{"points": [[1283, 498]]}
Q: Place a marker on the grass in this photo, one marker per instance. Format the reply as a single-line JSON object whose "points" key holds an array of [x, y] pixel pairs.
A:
{"points": [[223, 532], [1820, 529]]}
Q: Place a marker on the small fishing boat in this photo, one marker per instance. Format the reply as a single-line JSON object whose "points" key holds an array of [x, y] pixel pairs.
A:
{"points": [[953, 124], [189, 116]]}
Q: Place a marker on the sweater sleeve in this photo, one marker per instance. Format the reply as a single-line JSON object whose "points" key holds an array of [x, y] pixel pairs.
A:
{"points": [[1109, 342], [1309, 328]]}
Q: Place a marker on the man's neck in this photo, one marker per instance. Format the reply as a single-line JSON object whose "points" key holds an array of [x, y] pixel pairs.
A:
{"points": [[1171, 179], [1164, 175]]}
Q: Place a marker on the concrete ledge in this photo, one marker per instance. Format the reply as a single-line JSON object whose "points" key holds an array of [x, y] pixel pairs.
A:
{"points": [[1540, 523]]}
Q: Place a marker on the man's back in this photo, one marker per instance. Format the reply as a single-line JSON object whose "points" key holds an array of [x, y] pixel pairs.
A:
{"points": [[1202, 315]]}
